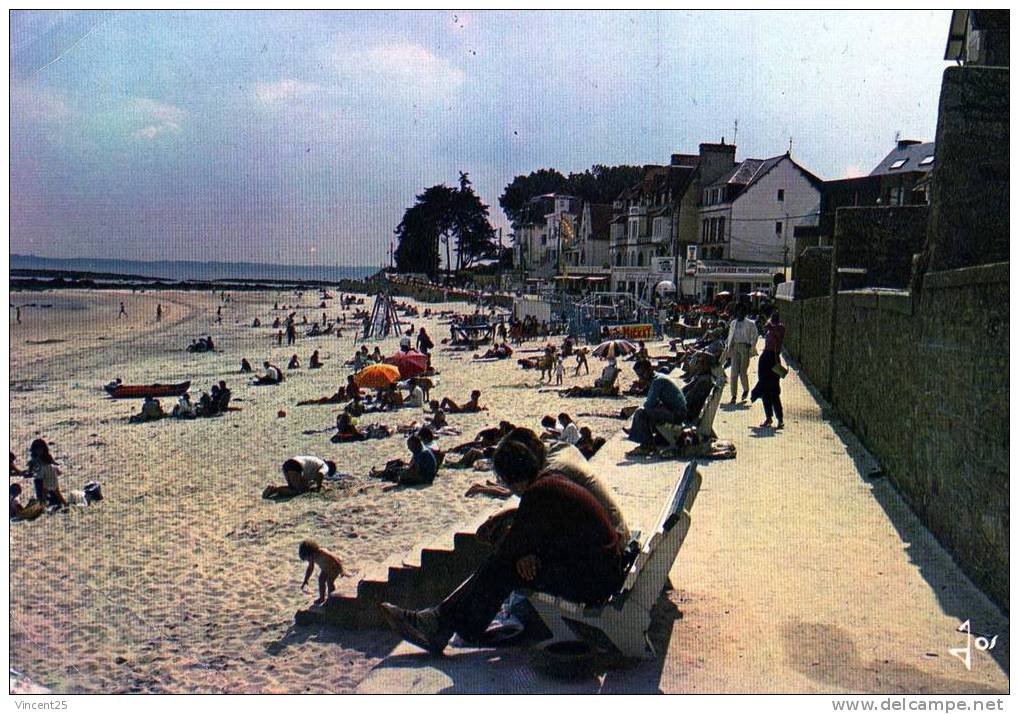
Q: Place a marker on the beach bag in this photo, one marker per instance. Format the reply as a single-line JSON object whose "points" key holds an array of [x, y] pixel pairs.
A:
{"points": [[780, 369], [93, 492]]}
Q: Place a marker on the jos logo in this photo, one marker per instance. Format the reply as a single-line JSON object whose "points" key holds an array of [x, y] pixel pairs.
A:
{"points": [[980, 642]]}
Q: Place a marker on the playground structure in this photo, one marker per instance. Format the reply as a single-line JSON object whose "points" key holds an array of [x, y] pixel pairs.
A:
{"points": [[383, 321], [620, 314]]}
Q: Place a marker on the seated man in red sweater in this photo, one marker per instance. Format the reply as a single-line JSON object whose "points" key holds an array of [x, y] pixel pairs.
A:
{"points": [[582, 562]]}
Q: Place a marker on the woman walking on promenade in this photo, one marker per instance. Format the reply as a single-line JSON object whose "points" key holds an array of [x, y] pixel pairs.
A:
{"points": [[769, 383]]}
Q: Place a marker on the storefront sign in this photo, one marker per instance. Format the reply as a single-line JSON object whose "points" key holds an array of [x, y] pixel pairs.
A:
{"points": [[631, 332]]}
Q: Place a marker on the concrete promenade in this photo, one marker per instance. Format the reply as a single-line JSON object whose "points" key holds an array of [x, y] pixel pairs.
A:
{"points": [[803, 572]]}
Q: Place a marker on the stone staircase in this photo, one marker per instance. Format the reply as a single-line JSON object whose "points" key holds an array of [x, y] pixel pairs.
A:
{"points": [[418, 578], [432, 569]]}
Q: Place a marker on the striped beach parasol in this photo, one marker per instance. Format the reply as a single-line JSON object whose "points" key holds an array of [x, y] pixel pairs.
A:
{"points": [[614, 348], [377, 376]]}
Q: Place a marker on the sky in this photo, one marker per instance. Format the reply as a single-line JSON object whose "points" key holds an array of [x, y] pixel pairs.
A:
{"points": [[301, 137]]}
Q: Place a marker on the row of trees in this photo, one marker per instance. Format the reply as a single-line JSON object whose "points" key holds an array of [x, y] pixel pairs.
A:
{"points": [[449, 220], [599, 184], [454, 221]]}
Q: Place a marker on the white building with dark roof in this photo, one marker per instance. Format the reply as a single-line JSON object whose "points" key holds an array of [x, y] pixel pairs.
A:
{"points": [[747, 221], [903, 173]]}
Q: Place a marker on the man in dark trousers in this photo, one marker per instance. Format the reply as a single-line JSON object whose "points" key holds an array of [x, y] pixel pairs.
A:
{"points": [[582, 562]]}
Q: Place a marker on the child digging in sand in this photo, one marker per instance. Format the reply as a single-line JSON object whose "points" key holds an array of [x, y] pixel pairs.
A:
{"points": [[329, 568]]}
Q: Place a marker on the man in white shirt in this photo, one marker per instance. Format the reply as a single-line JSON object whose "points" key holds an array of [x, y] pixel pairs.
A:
{"points": [[738, 346]]}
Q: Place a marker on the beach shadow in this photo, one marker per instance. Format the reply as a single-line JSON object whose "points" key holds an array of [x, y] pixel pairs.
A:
{"points": [[762, 432], [828, 655], [371, 643], [527, 670], [955, 592]]}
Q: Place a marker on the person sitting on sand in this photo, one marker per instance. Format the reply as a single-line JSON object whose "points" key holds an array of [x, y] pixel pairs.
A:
{"points": [[256, 322], [151, 411], [377, 357], [469, 407], [184, 408], [346, 429], [246, 366], [329, 568], [551, 429], [569, 433], [222, 402], [294, 363], [391, 398], [302, 474], [273, 374], [421, 469], [351, 391], [314, 362], [608, 376], [45, 474], [582, 563], [588, 444], [417, 394], [16, 507]]}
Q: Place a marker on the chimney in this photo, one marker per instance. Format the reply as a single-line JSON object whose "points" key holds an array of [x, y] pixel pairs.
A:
{"points": [[716, 160], [903, 143]]}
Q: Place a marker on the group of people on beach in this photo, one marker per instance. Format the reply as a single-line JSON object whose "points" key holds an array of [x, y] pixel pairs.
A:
{"points": [[44, 473]]}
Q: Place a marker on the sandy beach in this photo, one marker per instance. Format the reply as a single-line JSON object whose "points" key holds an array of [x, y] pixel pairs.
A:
{"points": [[183, 579]]}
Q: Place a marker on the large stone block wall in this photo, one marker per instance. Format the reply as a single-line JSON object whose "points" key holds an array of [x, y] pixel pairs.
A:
{"points": [[924, 384], [969, 191], [881, 240]]}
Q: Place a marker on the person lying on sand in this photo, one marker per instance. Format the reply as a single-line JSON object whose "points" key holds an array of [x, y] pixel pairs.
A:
{"points": [[488, 436], [273, 374], [151, 411], [346, 429], [471, 406], [329, 568], [501, 351], [302, 474], [421, 469]]}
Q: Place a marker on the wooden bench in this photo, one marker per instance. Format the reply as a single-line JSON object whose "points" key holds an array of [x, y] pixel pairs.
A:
{"points": [[621, 624]]}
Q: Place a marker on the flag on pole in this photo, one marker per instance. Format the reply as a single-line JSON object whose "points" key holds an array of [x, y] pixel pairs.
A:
{"points": [[566, 230]]}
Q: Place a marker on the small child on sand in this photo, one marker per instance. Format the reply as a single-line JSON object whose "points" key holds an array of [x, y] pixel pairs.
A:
{"points": [[329, 567], [559, 369]]}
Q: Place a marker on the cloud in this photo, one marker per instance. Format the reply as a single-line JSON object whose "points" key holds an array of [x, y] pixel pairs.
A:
{"points": [[153, 130], [284, 90], [406, 68], [37, 103], [156, 118]]}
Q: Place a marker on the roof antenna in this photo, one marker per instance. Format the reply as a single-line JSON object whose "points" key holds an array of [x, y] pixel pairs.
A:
{"points": [[735, 128], [790, 151]]}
